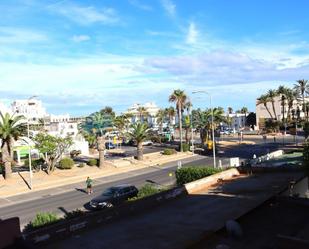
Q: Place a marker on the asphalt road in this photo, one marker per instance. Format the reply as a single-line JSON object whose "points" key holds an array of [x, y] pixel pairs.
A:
{"points": [[62, 199]]}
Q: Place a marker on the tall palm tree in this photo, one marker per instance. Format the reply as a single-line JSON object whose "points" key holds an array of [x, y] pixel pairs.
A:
{"points": [[187, 106], [170, 111], [202, 121], [302, 87], [121, 123], [263, 100], [142, 112], [11, 128], [244, 110], [271, 95], [179, 98], [291, 96], [160, 115], [282, 91], [140, 132]]}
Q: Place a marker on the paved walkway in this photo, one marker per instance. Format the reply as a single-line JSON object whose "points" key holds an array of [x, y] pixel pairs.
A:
{"points": [[19, 183], [179, 223]]}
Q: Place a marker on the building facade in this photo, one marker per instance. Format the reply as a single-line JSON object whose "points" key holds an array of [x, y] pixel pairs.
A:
{"points": [[32, 109], [150, 115], [278, 112]]}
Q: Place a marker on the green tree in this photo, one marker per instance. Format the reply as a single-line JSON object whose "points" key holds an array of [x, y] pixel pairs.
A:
{"points": [[170, 111], [271, 95], [52, 148], [179, 97], [202, 121], [244, 110], [121, 123], [160, 120], [142, 113], [108, 111], [139, 133], [187, 120], [291, 96], [282, 91], [11, 128], [302, 88], [263, 100]]}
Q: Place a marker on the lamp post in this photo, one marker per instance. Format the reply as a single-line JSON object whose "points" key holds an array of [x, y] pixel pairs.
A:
{"points": [[212, 125], [28, 135]]}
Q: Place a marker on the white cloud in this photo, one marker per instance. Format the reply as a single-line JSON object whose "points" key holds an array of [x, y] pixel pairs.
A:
{"points": [[10, 35], [192, 34], [140, 5], [169, 7], [221, 67], [85, 15], [80, 38]]}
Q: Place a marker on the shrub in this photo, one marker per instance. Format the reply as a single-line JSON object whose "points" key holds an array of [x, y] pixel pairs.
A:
{"points": [[190, 174], [169, 152], [81, 165], [185, 147], [42, 219], [36, 164], [93, 162], [146, 190], [66, 163]]}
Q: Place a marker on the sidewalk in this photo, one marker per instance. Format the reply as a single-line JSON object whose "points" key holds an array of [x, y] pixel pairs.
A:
{"points": [[19, 183]]}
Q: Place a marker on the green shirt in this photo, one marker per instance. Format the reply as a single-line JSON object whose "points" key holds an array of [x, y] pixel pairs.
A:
{"points": [[89, 182]]}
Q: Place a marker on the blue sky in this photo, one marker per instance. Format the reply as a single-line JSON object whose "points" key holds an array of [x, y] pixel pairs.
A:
{"points": [[79, 56]]}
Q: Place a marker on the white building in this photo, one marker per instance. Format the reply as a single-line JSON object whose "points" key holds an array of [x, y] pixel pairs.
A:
{"points": [[30, 108], [238, 120], [151, 109]]}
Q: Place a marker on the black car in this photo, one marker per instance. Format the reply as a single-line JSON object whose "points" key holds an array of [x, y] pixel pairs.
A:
{"points": [[113, 196]]}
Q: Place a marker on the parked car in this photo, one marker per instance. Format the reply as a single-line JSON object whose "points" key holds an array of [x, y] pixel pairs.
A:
{"points": [[114, 196], [109, 145], [147, 142]]}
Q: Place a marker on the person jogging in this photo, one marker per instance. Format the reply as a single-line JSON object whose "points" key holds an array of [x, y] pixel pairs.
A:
{"points": [[89, 185]]}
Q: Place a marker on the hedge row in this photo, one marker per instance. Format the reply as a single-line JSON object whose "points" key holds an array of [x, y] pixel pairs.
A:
{"points": [[190, 174]]}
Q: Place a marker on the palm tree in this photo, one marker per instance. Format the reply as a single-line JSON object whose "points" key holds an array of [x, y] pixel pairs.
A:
{"points": [[11, 128], [107, 110], [179, 97], [142, 112], [188, 106], [264, 99], [302, 88], [271, 95], [202, 121], [121, 123], [291, 95], [229, 110], [282, 90], [244, 110], [101, 148], [160, 120], [140, 132], [170, 111]]}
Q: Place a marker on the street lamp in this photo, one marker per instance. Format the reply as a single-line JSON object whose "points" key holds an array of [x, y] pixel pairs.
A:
{"points": [[28, 135], [212, 125]]}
